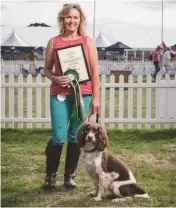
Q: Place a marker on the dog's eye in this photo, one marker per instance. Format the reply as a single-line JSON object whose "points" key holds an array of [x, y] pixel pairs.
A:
{"points": [[96, 130], [87, 128]]}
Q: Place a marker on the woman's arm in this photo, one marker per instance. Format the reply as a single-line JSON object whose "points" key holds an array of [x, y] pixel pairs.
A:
{"points": [[49, 61], [94, 74]]}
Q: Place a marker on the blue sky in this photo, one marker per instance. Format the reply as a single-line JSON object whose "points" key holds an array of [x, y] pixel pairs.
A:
{"points": [[112, 16]]}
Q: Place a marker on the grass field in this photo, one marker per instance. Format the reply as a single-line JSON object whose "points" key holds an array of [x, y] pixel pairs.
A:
{"points": [[151, 155]]}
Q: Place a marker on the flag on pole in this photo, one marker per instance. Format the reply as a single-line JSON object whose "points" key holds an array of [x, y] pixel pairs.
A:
{"points": [[163, 45]]}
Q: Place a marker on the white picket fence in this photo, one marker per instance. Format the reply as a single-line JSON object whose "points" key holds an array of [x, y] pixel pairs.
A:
{"points": [[18, 67], [140, 104], [136, 104], [136, 67]]}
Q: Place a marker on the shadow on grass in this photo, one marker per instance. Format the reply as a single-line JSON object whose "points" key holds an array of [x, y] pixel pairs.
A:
{"points": [[27, 131], [145, 135], [89, 202], [32, 197], [59, 197], [27, 134]]}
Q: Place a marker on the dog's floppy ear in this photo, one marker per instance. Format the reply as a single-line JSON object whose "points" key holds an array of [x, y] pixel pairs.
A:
{"points": [[80, 136], [102, 139]]}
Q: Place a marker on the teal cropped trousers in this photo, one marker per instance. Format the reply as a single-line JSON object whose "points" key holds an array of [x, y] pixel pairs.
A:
{"points": [[64, 127]]}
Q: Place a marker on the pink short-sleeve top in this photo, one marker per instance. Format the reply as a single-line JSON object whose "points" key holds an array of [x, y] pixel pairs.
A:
{"points": [[86, 87]]}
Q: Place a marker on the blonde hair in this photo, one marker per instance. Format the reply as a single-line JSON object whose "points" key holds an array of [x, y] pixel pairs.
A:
{"points": [[63, 13]]}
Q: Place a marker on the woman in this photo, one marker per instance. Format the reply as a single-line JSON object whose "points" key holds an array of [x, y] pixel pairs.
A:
{"points": [[157, 58], [71, 20]]}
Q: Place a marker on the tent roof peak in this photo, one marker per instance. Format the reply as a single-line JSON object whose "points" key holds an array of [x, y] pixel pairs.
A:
{"points": [[13, 39]]}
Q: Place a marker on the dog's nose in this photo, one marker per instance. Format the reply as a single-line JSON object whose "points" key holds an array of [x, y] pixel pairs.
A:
{"points": [[89, 137]]}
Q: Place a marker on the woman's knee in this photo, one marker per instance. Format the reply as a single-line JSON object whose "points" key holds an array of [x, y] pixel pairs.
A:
{"points": [[73, 128], [58, 137]]}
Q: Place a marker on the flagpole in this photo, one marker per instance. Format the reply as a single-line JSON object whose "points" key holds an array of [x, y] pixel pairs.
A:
{"points": [[162, 24], [94, 19]]}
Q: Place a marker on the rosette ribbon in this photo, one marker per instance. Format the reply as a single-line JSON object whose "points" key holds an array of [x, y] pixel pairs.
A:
{"points": [[79, 110]]}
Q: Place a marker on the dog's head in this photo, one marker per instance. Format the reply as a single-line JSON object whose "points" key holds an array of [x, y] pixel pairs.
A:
{"points": [[92, 136]]}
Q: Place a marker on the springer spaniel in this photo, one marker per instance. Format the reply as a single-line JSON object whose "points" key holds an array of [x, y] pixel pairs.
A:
{"points": [[110, 176]]}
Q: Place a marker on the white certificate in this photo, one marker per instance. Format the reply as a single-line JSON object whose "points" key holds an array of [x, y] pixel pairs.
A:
{"points": [[73, 58]]}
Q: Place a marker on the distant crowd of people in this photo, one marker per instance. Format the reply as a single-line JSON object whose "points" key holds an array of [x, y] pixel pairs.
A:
{"points": [[161, 57]]}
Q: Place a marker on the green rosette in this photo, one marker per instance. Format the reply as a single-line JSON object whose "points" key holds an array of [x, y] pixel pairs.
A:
{"points": [[79, 110]]}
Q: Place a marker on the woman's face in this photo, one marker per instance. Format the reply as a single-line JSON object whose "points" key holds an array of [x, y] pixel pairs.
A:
{"points": [[72, 20]]}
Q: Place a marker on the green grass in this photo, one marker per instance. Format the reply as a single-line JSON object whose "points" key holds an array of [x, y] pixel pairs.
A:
{"points": [[151, 155]]}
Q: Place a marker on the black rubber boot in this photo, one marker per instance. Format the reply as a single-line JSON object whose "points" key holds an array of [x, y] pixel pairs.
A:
{"points": [[72, 158], [53, 154]]}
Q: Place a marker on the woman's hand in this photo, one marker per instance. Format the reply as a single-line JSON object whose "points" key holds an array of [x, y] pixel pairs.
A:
{"points": [[62, 81], [94, 105]]}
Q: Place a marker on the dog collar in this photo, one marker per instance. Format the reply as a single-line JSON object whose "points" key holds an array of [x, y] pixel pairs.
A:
{"points": [[89, 151]]}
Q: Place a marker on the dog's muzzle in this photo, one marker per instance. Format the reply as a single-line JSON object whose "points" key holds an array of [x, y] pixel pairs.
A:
{"points": [[90, 138]]}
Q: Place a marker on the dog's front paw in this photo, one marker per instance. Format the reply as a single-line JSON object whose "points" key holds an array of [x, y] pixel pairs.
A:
{"points": [[92, 193], [121, 199], [97, 198]]}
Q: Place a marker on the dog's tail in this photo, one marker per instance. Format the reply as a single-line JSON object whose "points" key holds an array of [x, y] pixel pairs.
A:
{"points": [[132, 190]]}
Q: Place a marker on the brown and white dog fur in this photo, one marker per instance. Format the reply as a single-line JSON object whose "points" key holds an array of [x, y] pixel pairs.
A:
{"points": [[110, 176]]}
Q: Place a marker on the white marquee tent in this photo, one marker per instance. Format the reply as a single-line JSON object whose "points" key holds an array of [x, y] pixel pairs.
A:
{"points": [[13, 39], [36, 36], [101, 41], [133, 36]]}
